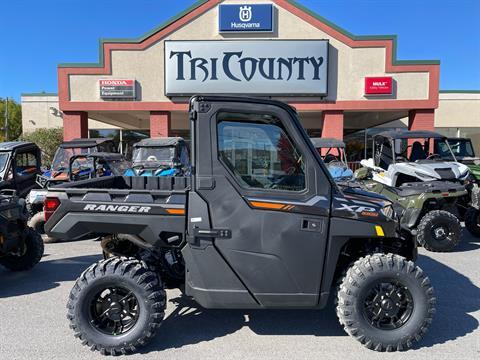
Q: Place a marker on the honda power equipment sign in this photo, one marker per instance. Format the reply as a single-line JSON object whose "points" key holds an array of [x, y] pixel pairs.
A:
{"points": [[245, 18], [268, 67], [117, 89]]}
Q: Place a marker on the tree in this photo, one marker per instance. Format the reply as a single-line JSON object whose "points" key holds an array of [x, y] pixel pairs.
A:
{"points": [[14, 119], [48, 140]]}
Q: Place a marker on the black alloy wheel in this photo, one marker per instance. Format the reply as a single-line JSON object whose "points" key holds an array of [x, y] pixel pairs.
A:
{"points": [[114, 310], [388, 305], [439, 231]]}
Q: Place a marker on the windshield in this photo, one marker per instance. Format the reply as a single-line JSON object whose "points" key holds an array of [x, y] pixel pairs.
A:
{"points": [[153, 154], [63, 155], [3, 162], [460, 148]]}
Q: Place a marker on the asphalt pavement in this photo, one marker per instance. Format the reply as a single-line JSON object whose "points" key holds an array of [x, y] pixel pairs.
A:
{"points": [[33, 323]]}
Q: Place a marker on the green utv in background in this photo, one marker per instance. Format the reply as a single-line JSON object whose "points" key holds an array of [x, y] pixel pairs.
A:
{"points": [[422, 207], [427, 209], [464, 152]]}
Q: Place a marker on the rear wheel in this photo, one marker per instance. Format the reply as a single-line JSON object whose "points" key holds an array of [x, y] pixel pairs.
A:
{"points": [[385, 302], [472, 221], [33, 252], [439, 231], [116, 305]]}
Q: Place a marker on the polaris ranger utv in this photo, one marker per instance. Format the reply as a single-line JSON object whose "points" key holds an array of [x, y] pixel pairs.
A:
{"points": [[259, 224]]}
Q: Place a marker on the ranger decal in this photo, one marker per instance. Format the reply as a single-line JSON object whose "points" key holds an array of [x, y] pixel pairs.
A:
{"points": [[117, 208]]}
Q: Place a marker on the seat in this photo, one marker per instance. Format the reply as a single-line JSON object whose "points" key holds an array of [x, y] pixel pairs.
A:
{"points": [[417, 152]]}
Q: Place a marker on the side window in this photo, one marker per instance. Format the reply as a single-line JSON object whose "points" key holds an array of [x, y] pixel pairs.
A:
{"points": [[257, 150], [25, 164]]}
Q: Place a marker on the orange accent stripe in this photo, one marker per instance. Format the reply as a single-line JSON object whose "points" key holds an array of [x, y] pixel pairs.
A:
{"points": [[176, 211], [267, 205]]}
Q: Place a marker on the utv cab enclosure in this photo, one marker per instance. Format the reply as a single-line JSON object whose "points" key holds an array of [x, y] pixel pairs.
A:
{"points": [[20, 163], [168, 156], [258, 224]]}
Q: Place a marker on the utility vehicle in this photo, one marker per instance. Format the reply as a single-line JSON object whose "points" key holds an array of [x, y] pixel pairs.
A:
{"points": [[420, 206], [425, 211], [21, 248], [259, 224], [81, 167], [167, 156], [333, 155], [402, 156], [464, 152], [20, 163]]}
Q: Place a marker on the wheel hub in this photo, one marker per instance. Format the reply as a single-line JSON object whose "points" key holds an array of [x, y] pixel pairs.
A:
{"points": [[114, 310], [388, 305], [440, 233]]}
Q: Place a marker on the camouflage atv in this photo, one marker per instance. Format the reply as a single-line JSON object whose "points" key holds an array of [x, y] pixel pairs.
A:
{"points": [[427, 209], [21, 248]]}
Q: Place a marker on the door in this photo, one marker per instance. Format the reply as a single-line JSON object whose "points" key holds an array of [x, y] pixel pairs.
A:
{"points": [[26, 166], [264, 184]]}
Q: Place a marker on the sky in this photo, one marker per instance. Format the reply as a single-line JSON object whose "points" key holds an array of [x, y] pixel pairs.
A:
{"points": [[36, 35]]}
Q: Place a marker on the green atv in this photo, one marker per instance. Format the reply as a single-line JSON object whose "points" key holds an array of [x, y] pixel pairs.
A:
{"points": [[464, 153], [427, 209], [21, 248]]}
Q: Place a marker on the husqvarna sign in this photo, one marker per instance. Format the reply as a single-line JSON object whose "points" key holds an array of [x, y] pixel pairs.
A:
{"points": [[246, 17], [270, 67]]}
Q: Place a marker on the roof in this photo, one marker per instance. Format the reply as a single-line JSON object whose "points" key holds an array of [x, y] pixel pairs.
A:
{"points": [[12, 145], [327, 143], [84, 143], [159, 142], [407, 134]]}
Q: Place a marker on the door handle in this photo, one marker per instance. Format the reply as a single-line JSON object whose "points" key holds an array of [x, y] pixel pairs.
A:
{"points": [[312, 225], [213, 233]]}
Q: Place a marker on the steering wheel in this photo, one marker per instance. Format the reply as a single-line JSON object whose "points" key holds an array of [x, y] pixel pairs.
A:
{"points": [[401, 158], [431, 156], [329, 158]]}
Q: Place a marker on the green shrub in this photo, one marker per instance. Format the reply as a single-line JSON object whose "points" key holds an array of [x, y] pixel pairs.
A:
{"points": [[48, 140]]}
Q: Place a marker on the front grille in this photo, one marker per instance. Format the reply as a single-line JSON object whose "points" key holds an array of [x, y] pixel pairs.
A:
{"points": [[445, 173]]}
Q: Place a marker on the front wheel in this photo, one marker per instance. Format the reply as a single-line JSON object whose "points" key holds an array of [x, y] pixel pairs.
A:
{"points": [[472, 221], [31, 255], [116, 305], [439, 231], [385, 302]]}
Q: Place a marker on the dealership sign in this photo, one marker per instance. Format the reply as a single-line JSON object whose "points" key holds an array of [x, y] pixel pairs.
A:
{"points": [[379, 85], [269, 67], [244, 18], [117, 89]]}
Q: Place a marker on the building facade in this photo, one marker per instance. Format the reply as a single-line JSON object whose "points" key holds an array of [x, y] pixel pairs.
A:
{"points": [[340, 84]]}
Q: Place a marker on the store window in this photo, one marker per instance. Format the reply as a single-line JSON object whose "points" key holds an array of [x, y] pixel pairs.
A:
{"points": [[258, 152]]}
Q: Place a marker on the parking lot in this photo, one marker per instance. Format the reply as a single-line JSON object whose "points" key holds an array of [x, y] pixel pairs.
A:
{"points": [[33, 323]]}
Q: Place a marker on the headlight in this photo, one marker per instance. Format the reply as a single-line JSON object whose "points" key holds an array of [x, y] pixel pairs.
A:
{"points": [[388, 212]]}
